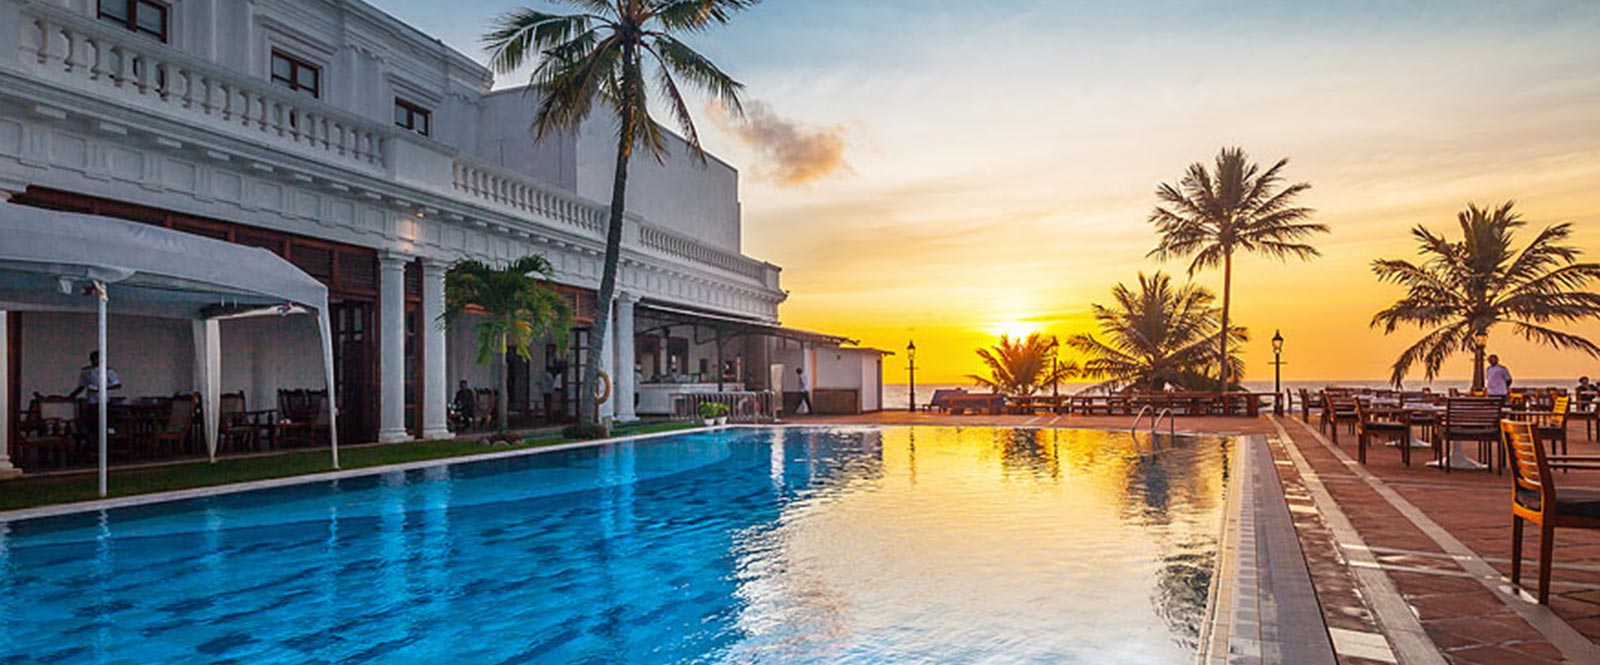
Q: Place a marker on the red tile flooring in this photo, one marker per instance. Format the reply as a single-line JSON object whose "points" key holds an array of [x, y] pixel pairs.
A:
{"points": [[1469, 623]]}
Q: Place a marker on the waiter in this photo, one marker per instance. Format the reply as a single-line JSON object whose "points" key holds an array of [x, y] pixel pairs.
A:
{"points": [[89, 379]]}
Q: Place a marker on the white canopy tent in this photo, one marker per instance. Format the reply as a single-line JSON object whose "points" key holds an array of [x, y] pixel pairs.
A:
{"points": [[58, 261]]}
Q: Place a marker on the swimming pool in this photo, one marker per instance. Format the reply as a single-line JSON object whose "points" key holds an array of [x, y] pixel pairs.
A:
{"points": [[771, 545]]}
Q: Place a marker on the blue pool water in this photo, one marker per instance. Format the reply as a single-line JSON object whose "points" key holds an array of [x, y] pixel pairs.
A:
{"points": [[802, 545]]}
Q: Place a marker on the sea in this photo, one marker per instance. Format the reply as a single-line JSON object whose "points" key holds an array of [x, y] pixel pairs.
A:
{"points": [[895, 394]]}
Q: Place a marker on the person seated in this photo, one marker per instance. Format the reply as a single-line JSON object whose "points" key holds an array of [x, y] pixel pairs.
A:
{"points": [[465, 405], [89, 379], [1586, 393]]}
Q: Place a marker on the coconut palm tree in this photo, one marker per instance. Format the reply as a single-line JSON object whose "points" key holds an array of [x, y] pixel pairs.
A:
{"points": [[1210, 215], [1160, 333], [516, 306], [601, 55], [1463, 288], [1023, 367]]}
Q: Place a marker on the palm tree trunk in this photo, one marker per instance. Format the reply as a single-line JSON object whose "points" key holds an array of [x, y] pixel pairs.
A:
{"points": [[502, 424], [1227, 298], [1477, 369], [588, 409]]}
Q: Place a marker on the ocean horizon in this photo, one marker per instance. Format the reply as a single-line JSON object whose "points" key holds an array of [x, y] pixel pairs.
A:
{"points": [[895, 394]]}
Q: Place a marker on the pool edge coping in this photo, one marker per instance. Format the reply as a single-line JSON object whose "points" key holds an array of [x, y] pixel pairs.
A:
{"points": [[63, 509], [1244, 618]]}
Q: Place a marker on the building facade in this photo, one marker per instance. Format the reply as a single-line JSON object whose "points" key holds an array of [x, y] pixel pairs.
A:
{"points": [[371, 156]]}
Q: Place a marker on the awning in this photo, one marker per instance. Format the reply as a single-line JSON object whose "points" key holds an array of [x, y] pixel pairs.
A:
{"points": [[733, 326], [61, 261]]}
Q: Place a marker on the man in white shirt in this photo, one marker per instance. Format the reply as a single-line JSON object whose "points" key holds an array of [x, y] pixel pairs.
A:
{"points": [[89, 379], [805, 390], [1496, 378]]}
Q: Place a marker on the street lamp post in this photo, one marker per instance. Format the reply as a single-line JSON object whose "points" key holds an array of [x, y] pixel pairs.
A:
{"points": [[1277, 372], [911, 371]]}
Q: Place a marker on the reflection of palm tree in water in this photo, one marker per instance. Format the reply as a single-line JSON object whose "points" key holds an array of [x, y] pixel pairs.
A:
{"points": [[1028, 451], [1170, 493]]}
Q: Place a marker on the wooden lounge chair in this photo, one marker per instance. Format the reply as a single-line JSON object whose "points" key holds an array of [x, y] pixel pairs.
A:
{"points": [[305, 418], [941, 399], [978, 402], [1536, 498], [1385, 425], [1473, 419]]}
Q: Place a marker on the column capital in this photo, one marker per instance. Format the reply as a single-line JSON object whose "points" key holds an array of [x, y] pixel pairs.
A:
{"points": [[624, 297], [432, 265], [391, 259]]}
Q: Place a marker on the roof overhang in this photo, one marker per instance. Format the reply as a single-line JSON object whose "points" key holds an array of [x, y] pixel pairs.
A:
{"points": [[734, 326]]}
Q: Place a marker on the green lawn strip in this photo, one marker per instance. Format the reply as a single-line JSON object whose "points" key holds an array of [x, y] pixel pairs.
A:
{"points": [[49, 490]]}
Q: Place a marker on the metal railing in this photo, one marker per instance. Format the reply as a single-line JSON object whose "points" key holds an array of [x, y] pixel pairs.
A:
{"points": [[744, 406], [1172, 428]]}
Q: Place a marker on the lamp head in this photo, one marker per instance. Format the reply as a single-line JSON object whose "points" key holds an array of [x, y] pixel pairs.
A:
{"points": [[1481, 338], [1277, 341], [911, 349]]}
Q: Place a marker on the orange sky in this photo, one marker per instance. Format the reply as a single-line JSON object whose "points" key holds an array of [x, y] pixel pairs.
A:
{"points": [[942, 171], [1010, 194]]}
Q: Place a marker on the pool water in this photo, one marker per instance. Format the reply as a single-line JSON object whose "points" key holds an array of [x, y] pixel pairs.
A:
{"points": [[780, 545]]}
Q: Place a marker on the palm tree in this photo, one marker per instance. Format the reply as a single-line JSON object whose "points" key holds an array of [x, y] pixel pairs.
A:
{"points": [[517, 307], [1211, 215], [600, 55], [1159, 334], [1464, 288], [1022, 367]]}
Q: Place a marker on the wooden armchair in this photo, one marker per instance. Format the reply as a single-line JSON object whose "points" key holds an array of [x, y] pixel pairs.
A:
{"points": [[309, 422], [1338, 407], [175, 434], [1384, 424], [1474, 419], [48, 436], [1536, 498]]}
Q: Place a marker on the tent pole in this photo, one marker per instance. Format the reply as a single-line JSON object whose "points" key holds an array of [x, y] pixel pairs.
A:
{"points": [[100, 381], [327, 371]]}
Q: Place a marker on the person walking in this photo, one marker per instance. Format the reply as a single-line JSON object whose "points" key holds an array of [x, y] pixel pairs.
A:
{"points": [[1497, 379], [805, 391]]}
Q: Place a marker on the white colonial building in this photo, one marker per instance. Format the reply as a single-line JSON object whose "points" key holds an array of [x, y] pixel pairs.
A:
{"points": [[371, 156]]}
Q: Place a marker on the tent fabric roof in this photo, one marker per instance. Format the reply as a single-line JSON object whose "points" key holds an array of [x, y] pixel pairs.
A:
{"points": [[150, 270]]}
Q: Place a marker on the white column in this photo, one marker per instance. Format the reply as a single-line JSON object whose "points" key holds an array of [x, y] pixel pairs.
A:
{"points": [[623, 377], [392, 351], [607, 357], [6, 470], [435, 380]]}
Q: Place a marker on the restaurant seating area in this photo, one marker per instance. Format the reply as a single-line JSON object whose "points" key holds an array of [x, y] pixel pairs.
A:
{"points": [[57, 432], [1446, 424]]}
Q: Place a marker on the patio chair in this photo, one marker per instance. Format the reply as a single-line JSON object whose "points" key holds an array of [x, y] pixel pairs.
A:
{"points": [[1385, 425], [1305, 405], [309, 425], [1536, 498], [48, 437], [1338, 407], [1474, 419], [175, 434]]}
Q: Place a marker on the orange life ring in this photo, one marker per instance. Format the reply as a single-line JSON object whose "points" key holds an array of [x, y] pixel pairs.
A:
{"points": [[602, 391]]}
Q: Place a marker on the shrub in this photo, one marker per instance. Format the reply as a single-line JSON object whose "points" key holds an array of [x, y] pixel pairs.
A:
{"points": [[713, 410]]}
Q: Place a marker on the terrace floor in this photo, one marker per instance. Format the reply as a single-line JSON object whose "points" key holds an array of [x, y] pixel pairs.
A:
{"points": [[1416, 555]]}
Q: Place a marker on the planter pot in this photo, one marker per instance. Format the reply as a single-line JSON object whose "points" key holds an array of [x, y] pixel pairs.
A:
{"points": [[710, 422], [722, 420]]}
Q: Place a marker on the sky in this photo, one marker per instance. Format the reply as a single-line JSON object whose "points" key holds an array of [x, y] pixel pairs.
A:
{"points": [[945, 171]]}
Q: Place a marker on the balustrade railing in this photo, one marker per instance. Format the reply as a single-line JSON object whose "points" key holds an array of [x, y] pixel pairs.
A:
{"points": [[520, 193], [667, 242], [90, 54], [744, 406]]}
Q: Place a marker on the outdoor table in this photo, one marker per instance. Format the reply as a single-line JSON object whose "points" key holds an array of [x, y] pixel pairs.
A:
{"points": [[1458, 459]]}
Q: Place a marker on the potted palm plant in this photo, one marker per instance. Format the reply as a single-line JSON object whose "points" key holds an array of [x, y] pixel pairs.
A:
{"points": [[714, 413]]}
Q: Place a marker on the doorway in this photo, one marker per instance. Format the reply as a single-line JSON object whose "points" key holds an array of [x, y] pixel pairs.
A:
{"points": [[354, 370]]}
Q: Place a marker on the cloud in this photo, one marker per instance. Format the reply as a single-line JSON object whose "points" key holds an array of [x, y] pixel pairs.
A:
{"points": [[789, 154]]}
